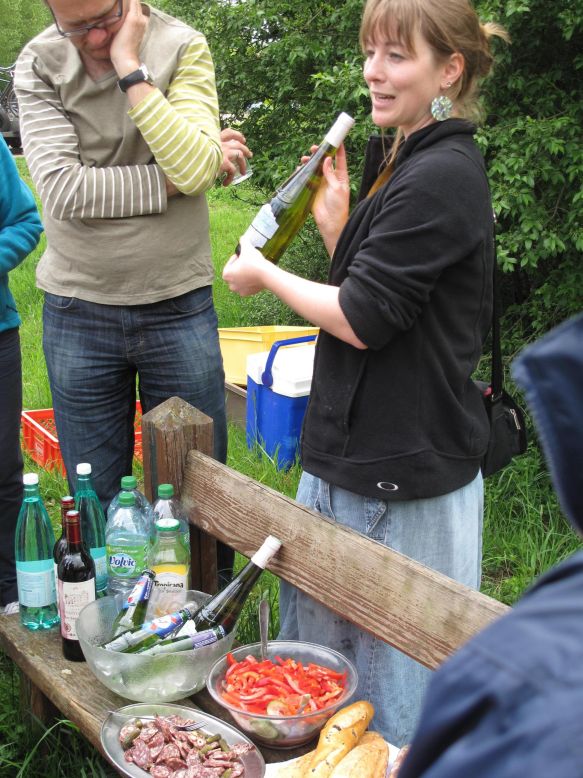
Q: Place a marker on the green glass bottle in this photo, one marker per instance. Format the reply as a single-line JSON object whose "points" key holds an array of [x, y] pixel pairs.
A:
{"points": [[172, 645], [33, 546], [151, 632], [224, 608], [92, 524], [278, 221], [133, 613]]}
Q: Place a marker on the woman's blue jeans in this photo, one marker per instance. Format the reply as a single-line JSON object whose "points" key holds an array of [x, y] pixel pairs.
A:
{"points": [[95, 353], [444, 533]]}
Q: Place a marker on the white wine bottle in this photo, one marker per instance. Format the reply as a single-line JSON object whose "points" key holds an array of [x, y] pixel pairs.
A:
{"points": [[278, 221]]}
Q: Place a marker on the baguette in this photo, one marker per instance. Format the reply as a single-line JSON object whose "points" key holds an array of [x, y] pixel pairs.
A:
{"points": [[368, 759], [340, 734], [297, 768]]}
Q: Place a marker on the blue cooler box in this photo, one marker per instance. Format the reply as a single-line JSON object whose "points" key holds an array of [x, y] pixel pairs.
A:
{"points": [[278, 387]]}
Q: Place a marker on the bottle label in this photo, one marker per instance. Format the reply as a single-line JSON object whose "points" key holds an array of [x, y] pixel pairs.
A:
{"points": [[36, 583], [100, 559], [141, 591], [163, 626], [73, 597], [262, 228], [170, 587], [126, 561]]}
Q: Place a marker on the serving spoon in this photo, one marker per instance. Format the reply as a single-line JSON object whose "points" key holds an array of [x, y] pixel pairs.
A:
{"points": [[264, 626]]}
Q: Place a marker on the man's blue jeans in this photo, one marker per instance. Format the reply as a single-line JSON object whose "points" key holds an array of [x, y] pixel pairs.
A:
{"points": [[94, 355], [444, 533]]}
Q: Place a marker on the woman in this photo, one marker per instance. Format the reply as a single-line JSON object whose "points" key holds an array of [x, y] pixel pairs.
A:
{"points": [[20, 229], [395, 428]]}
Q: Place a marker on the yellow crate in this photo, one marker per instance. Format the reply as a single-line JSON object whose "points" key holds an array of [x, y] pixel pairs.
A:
{"points": [[237, 343]]}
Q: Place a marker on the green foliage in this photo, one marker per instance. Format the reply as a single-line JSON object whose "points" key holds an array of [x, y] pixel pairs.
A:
{"points": [[21, 21]]}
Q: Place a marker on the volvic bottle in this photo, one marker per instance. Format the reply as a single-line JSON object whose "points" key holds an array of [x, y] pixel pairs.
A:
{"points": [[76, 573], [33, 547], [173, 644], [129, 483], [170, 560], [224, 608], [92, 524], [127, 542], [278, 221], [133, 613], [151, 632], [67, 504]]}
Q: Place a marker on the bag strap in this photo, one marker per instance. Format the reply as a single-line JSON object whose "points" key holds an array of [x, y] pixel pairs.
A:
{"points": [[496, 379]]}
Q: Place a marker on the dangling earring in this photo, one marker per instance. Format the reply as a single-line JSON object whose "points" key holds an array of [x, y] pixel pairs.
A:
{"points": [[442, 106]]}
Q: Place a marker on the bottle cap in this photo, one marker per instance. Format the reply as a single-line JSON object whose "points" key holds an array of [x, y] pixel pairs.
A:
{"points": [[30, 479], [127, 499], [84, 468], [166, 525], [129, 482], [269, 548], [340, 129], [165, 491]]}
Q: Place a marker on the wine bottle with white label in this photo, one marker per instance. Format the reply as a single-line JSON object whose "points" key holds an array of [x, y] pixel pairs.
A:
{"points": [[279, 220]]}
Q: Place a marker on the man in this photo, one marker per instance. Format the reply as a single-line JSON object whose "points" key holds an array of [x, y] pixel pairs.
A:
{"points": [[120, 129], [509, 704]]}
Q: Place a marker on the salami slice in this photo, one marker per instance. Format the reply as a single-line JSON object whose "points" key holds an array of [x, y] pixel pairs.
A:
{"points": [[160, 771], [141, 754]]}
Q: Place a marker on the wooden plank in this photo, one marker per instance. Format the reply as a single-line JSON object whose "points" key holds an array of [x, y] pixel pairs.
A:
{"points": [[419, 611], [169, 432], [70, 686]]}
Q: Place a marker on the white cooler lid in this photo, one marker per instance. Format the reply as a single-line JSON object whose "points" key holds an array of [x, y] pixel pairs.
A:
{"points": [[292, 369]]}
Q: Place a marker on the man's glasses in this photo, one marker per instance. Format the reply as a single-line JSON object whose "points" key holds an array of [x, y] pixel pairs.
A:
{"points": [[108, 19]]}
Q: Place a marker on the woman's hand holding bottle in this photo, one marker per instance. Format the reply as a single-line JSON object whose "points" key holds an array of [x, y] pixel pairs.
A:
{"points": [[331, 206], [245, 274]]}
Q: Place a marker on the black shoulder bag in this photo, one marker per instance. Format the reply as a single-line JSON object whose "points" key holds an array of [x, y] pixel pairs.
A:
{"points": [[507, 423]]}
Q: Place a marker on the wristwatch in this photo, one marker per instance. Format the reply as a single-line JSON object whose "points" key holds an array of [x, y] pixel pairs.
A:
{"points": [[135, 77]]}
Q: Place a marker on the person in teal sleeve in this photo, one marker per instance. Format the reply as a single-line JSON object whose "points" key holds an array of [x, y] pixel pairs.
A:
{"points": [[20, 229]]}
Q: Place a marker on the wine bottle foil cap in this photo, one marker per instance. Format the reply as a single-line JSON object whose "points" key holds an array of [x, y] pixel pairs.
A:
{"points": [[269, 548], [340, 129], [30, 479], [83, 468]]}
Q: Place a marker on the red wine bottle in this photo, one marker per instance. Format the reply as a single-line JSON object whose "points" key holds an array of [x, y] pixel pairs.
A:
{"points": [[76, 573], [60, 547]]}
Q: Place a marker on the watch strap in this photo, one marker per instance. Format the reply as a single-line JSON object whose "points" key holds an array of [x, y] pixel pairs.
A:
{"points": [[135, 77]]}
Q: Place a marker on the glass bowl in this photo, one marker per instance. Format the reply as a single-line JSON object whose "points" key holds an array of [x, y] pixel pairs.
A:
{"points": [[161, 678], [284, 731]]}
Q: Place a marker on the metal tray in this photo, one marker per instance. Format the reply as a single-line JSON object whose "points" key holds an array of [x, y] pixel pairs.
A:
{"points": [[252, 761]]}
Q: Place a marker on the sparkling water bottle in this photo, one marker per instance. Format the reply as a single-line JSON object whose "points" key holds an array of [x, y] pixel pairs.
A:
{"points": [[129, 483], [127, 541], [33, 547], [92, 524]]}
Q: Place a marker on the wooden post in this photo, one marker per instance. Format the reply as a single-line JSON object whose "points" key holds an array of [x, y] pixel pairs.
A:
{"points": [[169, 432]]}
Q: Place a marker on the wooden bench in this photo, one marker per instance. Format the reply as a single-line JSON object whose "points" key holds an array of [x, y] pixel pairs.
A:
{"points": [[422, 613]]}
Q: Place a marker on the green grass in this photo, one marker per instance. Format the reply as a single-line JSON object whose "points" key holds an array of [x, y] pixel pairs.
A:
{"points": [[524, 531]]}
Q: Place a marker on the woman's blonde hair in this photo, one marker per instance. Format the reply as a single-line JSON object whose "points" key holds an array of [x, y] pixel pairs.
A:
{"points": [[448, 27]]}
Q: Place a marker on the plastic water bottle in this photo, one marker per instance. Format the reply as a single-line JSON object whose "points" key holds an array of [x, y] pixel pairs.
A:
{"points": [[170, 560], [92, 524], [127, 542], [129, 483], [167, 506], [33, 547]]}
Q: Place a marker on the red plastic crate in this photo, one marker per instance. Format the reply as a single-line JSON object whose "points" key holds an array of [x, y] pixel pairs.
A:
{"points": [[39, 437]]}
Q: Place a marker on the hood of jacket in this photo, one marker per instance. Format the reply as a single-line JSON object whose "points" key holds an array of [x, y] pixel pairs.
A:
{"points": [[551, 374]]}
